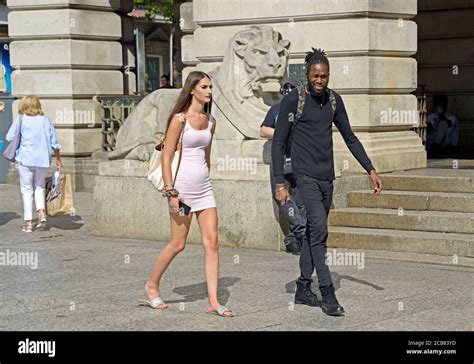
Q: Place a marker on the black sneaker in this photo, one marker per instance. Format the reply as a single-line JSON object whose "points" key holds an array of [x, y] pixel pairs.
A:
{"points": [[293, 248]]}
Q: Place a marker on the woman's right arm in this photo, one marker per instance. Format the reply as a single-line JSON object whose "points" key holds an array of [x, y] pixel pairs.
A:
{"points": [[171, 140], [13, 129]]}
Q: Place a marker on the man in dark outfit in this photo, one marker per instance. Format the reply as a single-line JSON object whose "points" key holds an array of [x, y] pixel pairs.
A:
{"points": [[313, 168], [293, 210]]}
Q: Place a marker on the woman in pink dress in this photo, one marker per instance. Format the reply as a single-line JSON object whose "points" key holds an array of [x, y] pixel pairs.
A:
{"points": [[192, 186]]}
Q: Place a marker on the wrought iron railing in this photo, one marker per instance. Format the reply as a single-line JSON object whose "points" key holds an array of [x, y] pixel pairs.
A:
{"points": [[115, 109], [421, 127]]}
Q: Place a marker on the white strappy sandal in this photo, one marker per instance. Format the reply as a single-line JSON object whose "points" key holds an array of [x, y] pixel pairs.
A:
{"points": [[28, 228], [42, 223], [220, 311], [154, 303]]}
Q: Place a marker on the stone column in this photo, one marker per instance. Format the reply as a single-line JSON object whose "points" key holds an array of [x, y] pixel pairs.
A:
{"points": [[369, 45], [65, 52]]}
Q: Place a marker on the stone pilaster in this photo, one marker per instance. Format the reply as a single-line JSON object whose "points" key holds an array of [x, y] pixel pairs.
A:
{"points": [[65, 52]]}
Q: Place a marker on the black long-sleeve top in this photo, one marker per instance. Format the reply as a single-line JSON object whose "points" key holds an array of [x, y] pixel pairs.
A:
{"points": [[312, 146]]}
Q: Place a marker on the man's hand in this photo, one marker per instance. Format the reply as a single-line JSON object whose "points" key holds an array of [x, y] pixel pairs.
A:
{"points": [[282, 195], [376, 181]]}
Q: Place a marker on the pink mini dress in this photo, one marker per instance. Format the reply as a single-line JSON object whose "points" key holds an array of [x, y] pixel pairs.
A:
{"points": [[192, 180]]}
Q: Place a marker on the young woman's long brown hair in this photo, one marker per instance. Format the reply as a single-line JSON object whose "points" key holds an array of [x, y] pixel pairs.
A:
{"points": [[185, 97]]}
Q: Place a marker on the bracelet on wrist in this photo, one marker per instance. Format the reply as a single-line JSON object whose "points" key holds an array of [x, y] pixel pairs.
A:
{"points": [[171, 193]]}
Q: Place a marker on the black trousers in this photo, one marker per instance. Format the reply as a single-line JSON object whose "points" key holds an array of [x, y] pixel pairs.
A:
{"points": [[317, 199], [293, 210]]}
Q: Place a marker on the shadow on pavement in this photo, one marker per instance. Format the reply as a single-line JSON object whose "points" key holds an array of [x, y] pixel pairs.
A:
{"points": [[290, 287], [66, 222], [6, 217], [195, 292], [361, 281]]}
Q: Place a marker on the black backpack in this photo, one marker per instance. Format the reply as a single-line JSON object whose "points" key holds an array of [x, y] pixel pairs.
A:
{"points": [[302, 98], [299, 110]]}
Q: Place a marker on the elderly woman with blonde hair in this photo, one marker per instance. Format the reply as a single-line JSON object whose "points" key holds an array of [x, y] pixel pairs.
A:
{"points": [[33, 157]]}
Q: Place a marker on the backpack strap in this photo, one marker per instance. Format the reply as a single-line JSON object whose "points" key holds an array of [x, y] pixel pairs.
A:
{"points": [[299, 110], [301, 100], [302, 97], [332, 99]]}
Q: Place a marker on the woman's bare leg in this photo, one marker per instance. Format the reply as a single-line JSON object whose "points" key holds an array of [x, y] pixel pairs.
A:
{"points": [[207, 220], [179, 232]]}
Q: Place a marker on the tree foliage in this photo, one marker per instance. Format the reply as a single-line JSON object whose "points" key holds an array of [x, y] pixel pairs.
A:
{"points": [[161, 7]]}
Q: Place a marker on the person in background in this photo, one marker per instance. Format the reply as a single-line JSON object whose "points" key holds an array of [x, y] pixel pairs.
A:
{"points": [[442, 128], [165, 81], [33, 157], [293, 210]]}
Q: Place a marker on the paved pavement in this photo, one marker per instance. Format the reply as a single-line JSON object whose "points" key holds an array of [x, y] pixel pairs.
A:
{"points": [[85, 282]]}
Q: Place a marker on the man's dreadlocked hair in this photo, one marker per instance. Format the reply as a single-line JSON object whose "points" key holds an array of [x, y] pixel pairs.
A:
{"points": [[315, 56]]}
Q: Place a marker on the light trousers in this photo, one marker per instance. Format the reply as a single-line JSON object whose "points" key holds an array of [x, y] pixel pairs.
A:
{"points": [[32, 181]]}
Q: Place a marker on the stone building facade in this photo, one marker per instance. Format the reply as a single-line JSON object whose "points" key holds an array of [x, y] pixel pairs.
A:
{"points": [[67, 51]]}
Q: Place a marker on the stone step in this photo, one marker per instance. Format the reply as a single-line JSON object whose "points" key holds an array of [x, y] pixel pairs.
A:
{"points": [[439, 221], [457, 183], [448, 244], [415, 257], [417, 200]]}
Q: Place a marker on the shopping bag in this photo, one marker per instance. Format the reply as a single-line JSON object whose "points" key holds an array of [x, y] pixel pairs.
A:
{"points": [[59, 199]]}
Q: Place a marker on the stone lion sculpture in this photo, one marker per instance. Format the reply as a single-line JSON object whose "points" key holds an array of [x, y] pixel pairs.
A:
{"points": [[245, 85]]}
